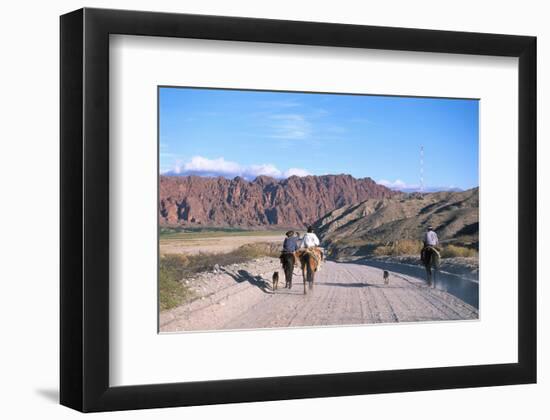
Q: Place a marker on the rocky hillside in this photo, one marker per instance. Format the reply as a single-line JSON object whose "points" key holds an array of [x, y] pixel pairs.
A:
{"points": [[265, 202], [356, 229]]}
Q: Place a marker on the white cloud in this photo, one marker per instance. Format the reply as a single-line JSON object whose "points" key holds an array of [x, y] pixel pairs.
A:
{"points": [[397, 184], [266, 169], [290, 126], [296, 172], [400, 185], [199, 165]]}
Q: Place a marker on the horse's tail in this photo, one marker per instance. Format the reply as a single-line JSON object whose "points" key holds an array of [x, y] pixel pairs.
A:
{"points": [[310, 270], [311, 265], [434, 258]]}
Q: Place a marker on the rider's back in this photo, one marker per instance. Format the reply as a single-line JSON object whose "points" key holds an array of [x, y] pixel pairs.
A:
{"points": [[310, 240], [430, 239], [290, 244]]}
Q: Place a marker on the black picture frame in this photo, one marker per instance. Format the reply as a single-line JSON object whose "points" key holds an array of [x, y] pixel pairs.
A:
{"points": [[84, 282]]}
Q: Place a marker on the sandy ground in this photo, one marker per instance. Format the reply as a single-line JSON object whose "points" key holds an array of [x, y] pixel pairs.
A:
{"points": [[241, 297], [216, 244]]}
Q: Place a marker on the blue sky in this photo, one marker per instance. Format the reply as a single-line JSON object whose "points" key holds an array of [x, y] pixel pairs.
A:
{"points": [[213, 132]]}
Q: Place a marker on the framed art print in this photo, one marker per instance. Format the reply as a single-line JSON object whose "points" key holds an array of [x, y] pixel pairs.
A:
{"points": [[257, 209]]}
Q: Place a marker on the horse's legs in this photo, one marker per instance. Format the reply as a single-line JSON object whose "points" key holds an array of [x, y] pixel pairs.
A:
{"points": [[434, 277], [310, 275], [290, 274], [428, 274], [288, 267], [286, 275], [304, 277]]}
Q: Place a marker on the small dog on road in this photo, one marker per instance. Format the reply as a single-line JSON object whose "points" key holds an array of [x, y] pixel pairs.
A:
{"points": [[275, 280], [386, 277]]}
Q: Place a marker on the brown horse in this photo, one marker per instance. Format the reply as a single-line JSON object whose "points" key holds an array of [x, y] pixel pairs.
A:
{"points": [[309, 261], [430, 259], [288, 260]]}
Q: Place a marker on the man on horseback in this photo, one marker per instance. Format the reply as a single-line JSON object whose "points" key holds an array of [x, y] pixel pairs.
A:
{"points": [[287, 258], [290, 243], [430, 256], [310, 256], [430, 241], [310, 240]]}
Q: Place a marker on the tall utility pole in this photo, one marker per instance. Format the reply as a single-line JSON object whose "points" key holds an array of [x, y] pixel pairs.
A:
{"points": [[422, 169]]}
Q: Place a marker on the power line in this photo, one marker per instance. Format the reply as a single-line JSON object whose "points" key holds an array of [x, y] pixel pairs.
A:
{"points": [[421, 168]]}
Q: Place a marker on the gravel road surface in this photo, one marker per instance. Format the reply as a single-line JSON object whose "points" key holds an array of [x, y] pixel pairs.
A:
{"points": [[241, 297]]}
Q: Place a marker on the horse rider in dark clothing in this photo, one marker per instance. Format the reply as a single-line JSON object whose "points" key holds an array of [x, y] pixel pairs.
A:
{"points": [[290, 243]]}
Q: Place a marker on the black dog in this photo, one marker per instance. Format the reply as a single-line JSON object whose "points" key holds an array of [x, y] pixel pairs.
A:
{"points": [[275, 280], [386, 277]]}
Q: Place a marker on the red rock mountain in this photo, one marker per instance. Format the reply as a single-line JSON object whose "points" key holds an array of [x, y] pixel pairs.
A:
{"points": [[265, 202]]}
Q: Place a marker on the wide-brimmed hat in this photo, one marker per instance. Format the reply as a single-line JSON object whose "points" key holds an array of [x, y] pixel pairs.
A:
{"points": [[289, 233]]}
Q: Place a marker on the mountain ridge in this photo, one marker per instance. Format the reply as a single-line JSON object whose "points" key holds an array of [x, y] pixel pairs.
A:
{"points": [[264, 202], [356, 229]]}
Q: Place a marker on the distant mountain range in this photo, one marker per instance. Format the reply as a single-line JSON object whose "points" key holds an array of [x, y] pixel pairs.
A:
{"points": [[355, 229], [428, 189], [265, 202]]}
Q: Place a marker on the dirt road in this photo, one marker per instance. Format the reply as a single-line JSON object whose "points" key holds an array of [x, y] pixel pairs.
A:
{"points": [[241, 297]]}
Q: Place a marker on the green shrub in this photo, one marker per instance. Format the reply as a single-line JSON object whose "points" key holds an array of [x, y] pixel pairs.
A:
{"points": [[172, 292]]}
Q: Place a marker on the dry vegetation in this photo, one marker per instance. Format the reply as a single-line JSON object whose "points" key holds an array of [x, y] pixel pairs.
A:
{"points": [[403, 247], [452, 251], [412, 247], [175, 268]]}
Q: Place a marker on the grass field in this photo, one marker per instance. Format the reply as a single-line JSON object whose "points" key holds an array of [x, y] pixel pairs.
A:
{"points": [[214, 233], [191, 242]]}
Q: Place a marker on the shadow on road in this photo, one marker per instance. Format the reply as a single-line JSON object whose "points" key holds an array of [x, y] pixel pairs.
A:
{"points": [[258, 281], [354, 284], [360, 284]]}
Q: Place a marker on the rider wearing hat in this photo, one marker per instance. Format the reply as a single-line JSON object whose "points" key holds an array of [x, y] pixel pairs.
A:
{"points": [[310, 240], [290, 243], [430, 240], [430, 237]]}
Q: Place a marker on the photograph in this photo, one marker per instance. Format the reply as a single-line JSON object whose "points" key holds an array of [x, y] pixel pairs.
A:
{"points": [[280, 209]]}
